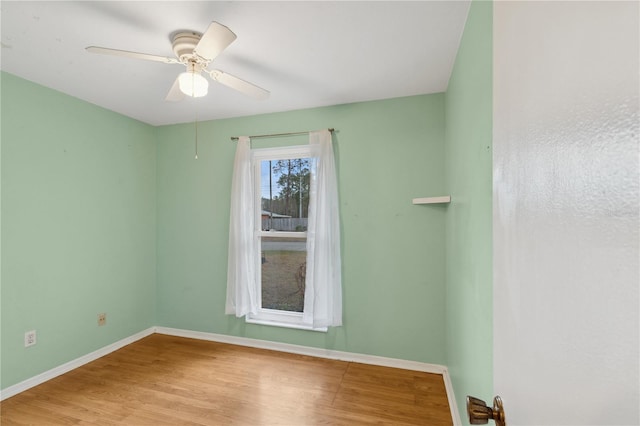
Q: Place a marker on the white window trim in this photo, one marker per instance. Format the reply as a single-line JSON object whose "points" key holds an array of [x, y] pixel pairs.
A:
{"points": [[282, 234], [264, 316], [281, 319]]}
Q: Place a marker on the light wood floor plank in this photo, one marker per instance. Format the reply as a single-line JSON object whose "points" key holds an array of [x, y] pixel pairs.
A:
{"points": [[166, 380]]}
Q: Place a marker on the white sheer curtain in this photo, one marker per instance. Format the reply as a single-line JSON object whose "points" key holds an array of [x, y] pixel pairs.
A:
{"points": [[243, 244], [323, 289]]}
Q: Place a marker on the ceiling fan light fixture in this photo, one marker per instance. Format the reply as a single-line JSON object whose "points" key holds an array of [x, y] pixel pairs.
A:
{"points": [[193, 84], [195, 51]]}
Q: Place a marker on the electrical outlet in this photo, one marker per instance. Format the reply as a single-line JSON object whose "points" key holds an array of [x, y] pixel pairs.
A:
{"points": [[29, 338], [102, 318]]}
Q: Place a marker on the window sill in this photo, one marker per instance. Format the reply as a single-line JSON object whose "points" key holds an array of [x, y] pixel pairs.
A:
{"points": [[275, 323]]}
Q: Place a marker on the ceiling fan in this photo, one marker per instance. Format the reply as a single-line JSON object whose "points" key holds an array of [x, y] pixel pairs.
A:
{"points": [[195, 51]]}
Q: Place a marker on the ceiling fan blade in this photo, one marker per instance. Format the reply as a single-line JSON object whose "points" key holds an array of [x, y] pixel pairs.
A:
{"points": [[135, 55], [175, 94], [239, 84], [213, 41]]}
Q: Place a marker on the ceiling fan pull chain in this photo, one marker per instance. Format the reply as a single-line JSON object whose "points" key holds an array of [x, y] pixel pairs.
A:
{"points": [[196, 136]]}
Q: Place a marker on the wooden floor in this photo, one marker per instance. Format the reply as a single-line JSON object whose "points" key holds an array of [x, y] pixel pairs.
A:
{"points": [[165, 380]]}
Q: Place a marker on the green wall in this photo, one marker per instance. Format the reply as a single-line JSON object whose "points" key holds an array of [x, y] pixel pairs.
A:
{"points": [[78, 227], [468, 111], [101, 213], [388, 152], [1, 343]]}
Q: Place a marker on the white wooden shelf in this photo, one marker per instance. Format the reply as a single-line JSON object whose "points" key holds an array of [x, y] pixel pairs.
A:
{"points": [[433, 200]]}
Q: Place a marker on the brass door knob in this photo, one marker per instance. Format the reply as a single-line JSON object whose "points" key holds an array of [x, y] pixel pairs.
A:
{"points": [[480, 414]]}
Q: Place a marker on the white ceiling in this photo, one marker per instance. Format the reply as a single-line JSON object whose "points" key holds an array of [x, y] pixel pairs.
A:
{"points": [[307, 54]]}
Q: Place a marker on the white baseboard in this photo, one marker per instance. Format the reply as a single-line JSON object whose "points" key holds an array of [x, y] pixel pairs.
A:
{"points": [[453, 405], [306, 350], [243, 341], [71, 365]]}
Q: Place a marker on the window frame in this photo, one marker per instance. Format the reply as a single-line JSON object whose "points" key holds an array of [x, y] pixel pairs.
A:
{"points": [[266, 316]]}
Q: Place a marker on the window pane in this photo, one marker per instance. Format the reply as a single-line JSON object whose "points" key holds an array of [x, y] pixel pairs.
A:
{"points": [[285, 194], [284, 262]]}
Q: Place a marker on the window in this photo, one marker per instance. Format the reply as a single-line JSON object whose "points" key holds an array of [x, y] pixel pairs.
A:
{"points": [[283, 176], [284, 236]]}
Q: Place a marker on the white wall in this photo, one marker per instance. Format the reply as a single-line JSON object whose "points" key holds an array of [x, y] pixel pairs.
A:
{"points": [[566, 265]]}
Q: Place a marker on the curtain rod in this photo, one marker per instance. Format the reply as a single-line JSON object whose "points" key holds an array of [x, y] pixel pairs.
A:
{"points": [[235, 138]]}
